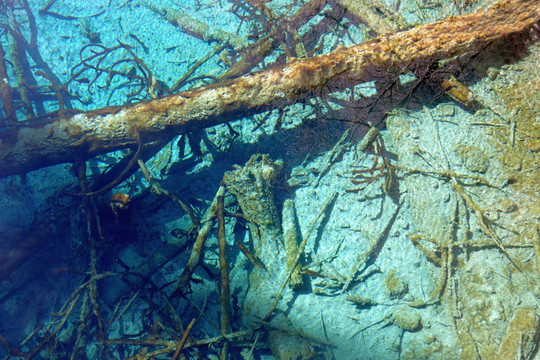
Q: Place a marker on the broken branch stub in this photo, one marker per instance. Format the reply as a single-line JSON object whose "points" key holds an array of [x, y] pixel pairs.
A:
{"points": [[85, 135]]}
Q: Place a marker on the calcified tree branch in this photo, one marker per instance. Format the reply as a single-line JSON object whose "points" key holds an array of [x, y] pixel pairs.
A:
{"points": [[85, 135], [5, 91]]}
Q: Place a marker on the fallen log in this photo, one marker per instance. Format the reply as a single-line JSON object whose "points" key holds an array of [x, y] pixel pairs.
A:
{"points": [[85, 135]]}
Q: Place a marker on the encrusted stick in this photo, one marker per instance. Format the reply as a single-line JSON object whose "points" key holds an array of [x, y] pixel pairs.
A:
{"points": [[109, 129]]}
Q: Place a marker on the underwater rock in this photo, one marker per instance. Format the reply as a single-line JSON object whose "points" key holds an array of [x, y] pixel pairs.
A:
{"points": [[286, 346], [407, 320], [474, 159]]}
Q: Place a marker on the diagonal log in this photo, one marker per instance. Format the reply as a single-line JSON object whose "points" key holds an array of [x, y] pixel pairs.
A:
{"points": [[85, 135]]}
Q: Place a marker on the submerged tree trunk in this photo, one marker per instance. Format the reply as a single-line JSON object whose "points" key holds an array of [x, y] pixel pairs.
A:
{"points": [[85, 135]]}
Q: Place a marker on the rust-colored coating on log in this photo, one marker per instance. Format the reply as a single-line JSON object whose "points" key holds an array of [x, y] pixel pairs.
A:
{"points": [[88, 134]]}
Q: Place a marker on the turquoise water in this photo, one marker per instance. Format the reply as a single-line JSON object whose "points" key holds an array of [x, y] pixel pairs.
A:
{"points": [[387, 219]]}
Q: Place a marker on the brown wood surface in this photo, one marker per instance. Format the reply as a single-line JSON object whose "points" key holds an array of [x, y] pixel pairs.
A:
{"points": [[85, 135]]}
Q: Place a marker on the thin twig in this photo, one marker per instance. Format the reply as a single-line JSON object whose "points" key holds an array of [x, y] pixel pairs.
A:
{"points": [[184, 338]]}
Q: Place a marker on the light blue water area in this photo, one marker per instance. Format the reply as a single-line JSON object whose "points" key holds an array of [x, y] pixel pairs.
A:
{"points": [[399, 245]]}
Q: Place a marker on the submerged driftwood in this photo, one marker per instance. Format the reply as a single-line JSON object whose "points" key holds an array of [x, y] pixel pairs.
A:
{"points": [[85, 135]]}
